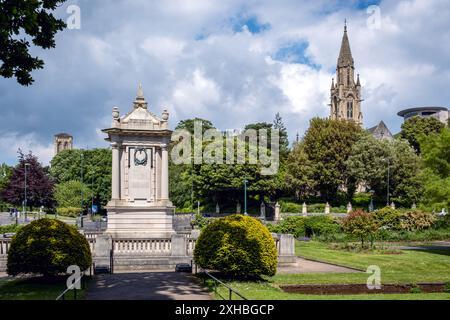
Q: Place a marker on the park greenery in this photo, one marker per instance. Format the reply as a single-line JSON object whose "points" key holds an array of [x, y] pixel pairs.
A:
{"points": [[335, 162], [237, 245], [47, 247]]}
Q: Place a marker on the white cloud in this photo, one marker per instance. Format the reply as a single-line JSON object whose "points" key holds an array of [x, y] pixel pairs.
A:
{"points": [[11, 142], [190, 61]]}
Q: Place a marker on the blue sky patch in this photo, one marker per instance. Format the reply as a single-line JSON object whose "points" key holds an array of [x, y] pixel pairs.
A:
{"points": [[295, 53], [253, 24]]}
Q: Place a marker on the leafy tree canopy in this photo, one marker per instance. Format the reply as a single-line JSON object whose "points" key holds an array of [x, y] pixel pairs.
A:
{"points": [[20, 21], [415, 127], [39, 183], [93, 167], [70, 194]]}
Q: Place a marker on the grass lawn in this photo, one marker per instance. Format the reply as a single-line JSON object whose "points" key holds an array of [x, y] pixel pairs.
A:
{"points": [[35, 289], [407, 267]]}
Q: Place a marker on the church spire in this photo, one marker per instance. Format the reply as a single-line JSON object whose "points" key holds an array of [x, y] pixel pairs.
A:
{"points": [[345, 55]]}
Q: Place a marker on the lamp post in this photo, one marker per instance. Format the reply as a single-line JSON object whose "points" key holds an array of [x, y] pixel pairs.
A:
{"points": [[92, 191], [371, 208], [81, 188], [25, 194], [245, 197], [388, 179]]}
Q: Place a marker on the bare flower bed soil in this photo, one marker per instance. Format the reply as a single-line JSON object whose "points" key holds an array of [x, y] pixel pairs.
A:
{"points": [[344, 289]]}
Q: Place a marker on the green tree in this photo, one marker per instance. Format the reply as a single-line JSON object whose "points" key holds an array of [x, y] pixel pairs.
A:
{"points": [[278, 124], [436, 176], [5, 176], [415, 127], [326, 146], [20, 22], [93, 167], [298, 179], [361, 225], [70, 194], [370, 161], [188, 125]]}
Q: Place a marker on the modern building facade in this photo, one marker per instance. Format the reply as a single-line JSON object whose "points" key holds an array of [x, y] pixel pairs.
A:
{"points": [[440, 113]]}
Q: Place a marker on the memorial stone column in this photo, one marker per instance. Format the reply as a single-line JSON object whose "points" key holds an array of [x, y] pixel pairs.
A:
{"points": [[164, 173], [115, 188]]}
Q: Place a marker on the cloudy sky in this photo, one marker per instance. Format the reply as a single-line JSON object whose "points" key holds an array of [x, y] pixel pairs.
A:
{"points": [[233, 62]]}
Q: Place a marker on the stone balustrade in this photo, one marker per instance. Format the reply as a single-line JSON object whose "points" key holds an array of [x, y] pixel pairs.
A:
{"points": [[154, 253]]}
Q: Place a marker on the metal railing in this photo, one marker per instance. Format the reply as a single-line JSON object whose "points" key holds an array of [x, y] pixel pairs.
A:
{"points": [[218, 283]]}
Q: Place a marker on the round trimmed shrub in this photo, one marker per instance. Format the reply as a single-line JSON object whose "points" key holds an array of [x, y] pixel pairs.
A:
{"points": [[237, 245], [387, 218], [47, 247]]}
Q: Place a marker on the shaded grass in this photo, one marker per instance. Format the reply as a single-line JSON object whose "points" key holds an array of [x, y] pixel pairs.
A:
{"points": [[37, 288]]}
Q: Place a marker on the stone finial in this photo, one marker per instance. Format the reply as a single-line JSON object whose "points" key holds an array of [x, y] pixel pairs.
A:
{"points": [[393, 205], [238, 207], [140, 92], [349, 207], [140, 99], [217, 208], [327, 208], [277, 212], [304, 209], [414, 206], [165, 115], [116, 114], [263, 210]]}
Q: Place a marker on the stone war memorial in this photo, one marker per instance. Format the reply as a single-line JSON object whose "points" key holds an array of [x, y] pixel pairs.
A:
{"points": [[140, 205], [140, 234]]}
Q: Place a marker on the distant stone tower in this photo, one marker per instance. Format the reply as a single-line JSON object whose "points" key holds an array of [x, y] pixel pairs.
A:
{"points": [[346, 93], [63, 141]]}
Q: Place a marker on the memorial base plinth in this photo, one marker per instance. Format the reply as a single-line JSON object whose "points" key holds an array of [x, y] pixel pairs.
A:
{"points": [[140, 222]]}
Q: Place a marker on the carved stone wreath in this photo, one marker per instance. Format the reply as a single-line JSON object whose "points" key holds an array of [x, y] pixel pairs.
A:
{"points": [[140, 157]]}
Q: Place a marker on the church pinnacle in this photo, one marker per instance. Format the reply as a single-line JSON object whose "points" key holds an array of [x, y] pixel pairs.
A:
{"points": [[346, 94]]}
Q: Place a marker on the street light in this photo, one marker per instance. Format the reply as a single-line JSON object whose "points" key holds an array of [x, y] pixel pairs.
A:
{"points": [[245, 197], [25, 194], [81, 188], [388, 178], [371, 207], [92, 191]]}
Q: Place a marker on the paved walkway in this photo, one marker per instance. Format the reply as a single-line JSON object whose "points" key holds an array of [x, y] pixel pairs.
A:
{"points": [[308, 266], [146, 286]]}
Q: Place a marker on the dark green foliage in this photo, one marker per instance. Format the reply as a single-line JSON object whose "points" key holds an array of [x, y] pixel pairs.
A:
{"points": [[47, 247], [22, 19], [322, 155], [237, 245], [311, 226], [416, 127], [319, 225], [387, 218], [66, 166], [290, 225]]}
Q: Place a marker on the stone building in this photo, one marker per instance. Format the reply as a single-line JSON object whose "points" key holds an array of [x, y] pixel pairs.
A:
{"points": [[62, 141], [346, 92], [140, 205], [381, 132]]}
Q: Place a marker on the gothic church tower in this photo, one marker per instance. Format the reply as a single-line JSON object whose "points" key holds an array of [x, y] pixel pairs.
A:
{"points": [[346, 93]]}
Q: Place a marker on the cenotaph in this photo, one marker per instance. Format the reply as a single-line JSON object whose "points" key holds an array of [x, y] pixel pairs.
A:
{"points": [[140, 205]]}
